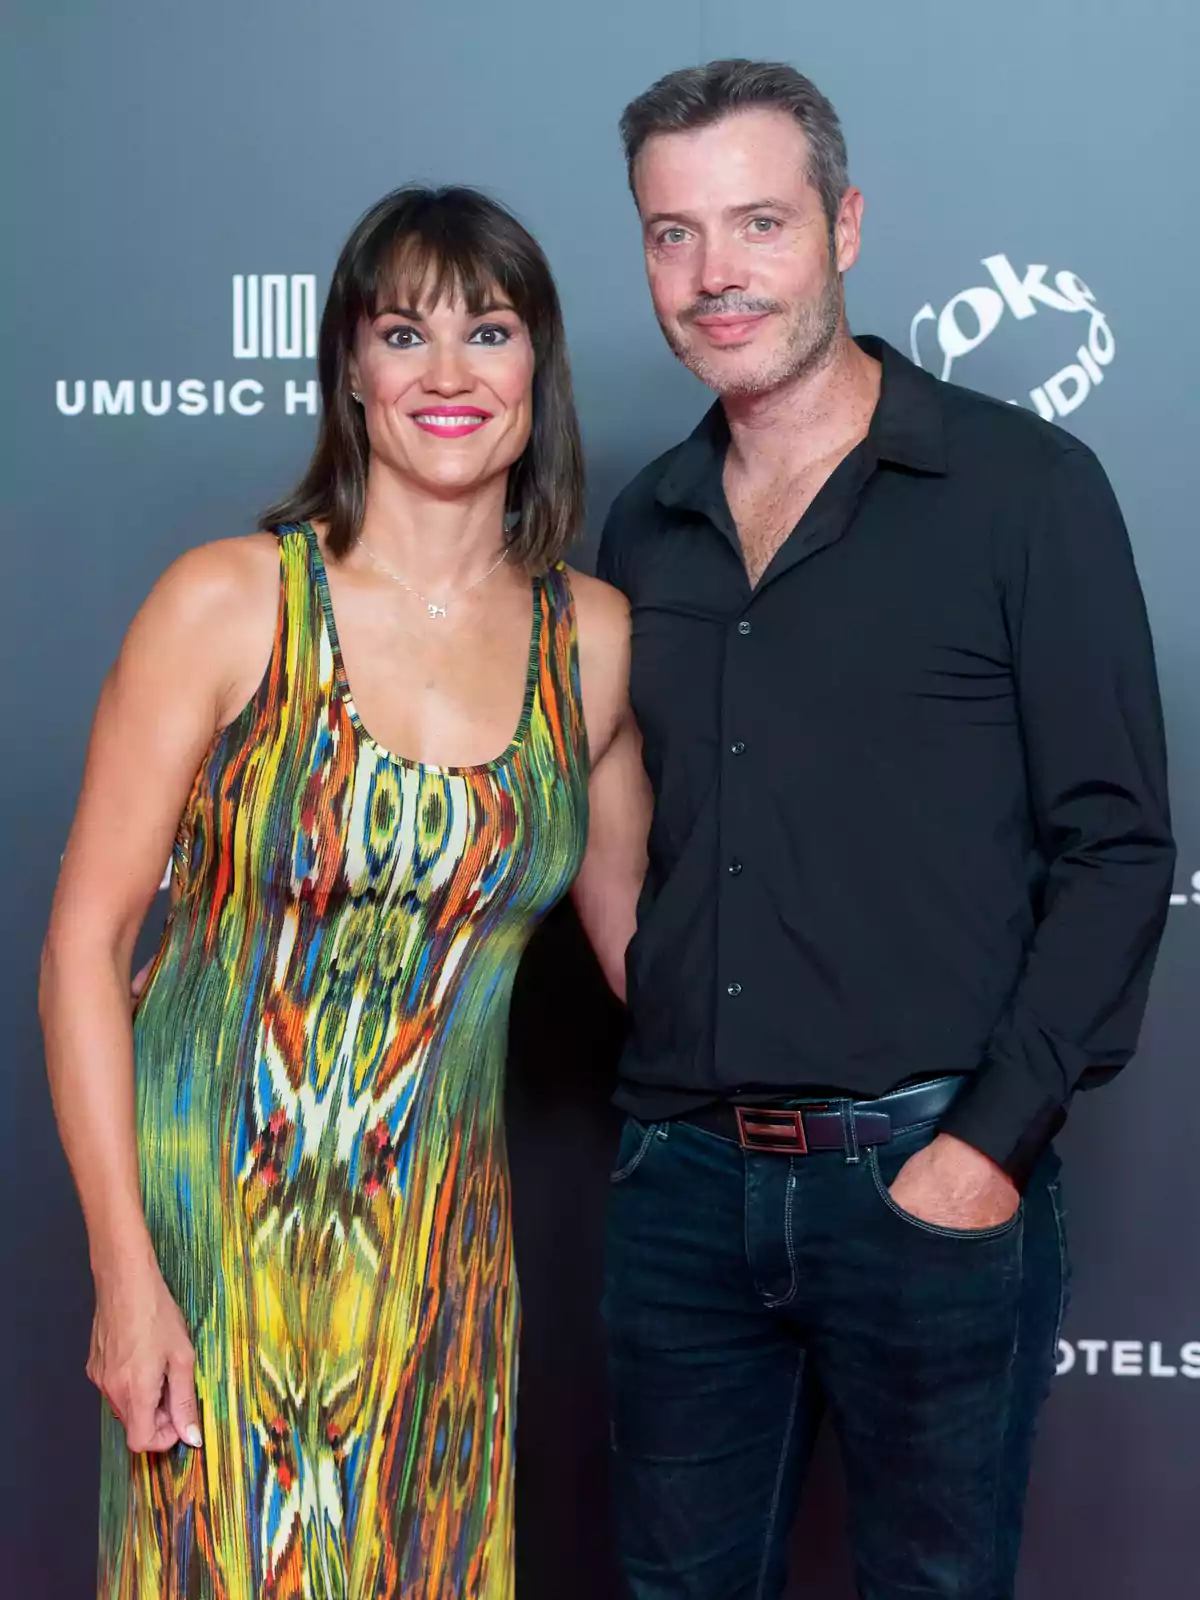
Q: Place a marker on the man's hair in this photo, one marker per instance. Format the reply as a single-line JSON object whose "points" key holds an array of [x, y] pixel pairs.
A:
{"points": [[696, 97]]}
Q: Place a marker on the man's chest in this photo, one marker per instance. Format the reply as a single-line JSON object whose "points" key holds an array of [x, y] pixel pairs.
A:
{"points": [[766, 514], [894, 629]]}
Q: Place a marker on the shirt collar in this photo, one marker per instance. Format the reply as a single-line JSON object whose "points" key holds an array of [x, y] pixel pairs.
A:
{"points": [[907, 430]]}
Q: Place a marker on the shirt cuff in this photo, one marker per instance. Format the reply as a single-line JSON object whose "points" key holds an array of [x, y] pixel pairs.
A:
{"points": [[1007, 1114]]}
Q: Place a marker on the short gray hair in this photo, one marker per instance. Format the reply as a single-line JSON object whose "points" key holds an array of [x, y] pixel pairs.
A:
{"points": [[696, 97]]}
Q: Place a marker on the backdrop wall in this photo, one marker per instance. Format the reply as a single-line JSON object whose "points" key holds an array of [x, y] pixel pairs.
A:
{"points": [[184, 177]]}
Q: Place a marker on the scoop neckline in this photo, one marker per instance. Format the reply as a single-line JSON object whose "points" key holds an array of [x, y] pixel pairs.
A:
{"points": [[346, 694]]}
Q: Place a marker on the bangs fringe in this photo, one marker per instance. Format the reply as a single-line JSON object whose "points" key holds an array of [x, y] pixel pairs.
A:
{"points": [[437, 257]]}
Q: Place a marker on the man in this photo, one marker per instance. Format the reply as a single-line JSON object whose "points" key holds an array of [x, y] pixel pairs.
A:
{"points": [[909, 867]]}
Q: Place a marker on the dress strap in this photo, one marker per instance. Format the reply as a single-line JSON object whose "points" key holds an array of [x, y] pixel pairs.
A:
{"points": [[307, 650], [559, 704], [286, 696]]}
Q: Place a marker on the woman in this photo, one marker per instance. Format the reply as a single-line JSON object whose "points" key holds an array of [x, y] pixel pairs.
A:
{"points": [[292, 1165]]}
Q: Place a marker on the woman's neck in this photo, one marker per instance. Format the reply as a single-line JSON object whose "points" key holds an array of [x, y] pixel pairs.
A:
{"points": [[441, 540]]}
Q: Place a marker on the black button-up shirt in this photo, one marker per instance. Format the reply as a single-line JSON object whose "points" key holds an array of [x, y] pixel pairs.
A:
{"points": [[910, 791]]}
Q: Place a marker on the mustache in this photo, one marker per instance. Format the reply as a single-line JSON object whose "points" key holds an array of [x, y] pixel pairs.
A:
{"points": [[727, 305]]}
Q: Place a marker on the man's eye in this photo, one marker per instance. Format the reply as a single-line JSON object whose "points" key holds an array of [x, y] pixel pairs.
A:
{"points": [[763, 225], [672, 236]]}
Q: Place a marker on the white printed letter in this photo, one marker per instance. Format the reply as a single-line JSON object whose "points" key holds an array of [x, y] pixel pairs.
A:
{"points": [[1021, 293], [294, 395], [302, 336], [110, 402], [70, 408], [1127, 1358], [1091, 1349], [926, 314], [193, 402], [152, 407], [245, 317], [1157, 1370], [238, 402], [1066, 400], [988, 308]]}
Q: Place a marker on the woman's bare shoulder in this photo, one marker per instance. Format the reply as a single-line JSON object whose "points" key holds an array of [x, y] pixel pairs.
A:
{"points": [[222, 570], [602, 609], [602, 616], [211, 613]]}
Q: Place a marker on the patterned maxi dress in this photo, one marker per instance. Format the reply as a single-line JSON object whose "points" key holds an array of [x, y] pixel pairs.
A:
{"points": [[320, 1053]]}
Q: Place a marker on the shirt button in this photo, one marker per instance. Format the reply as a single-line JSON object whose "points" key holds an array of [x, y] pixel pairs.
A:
{"points": [[734, 989], [743, 628], [735, 866], [736, 748]]}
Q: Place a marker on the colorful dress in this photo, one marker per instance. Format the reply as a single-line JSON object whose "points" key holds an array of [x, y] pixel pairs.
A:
{"points": [[320, 1058]]}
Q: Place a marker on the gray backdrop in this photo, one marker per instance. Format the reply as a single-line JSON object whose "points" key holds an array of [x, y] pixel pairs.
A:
{"points": [[162, 150]]}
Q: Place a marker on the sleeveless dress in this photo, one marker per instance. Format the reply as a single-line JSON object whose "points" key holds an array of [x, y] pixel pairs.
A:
{"points": [[320, 1057]]}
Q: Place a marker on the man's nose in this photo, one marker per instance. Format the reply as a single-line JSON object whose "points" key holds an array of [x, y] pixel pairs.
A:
{"points": [[722, 267]]}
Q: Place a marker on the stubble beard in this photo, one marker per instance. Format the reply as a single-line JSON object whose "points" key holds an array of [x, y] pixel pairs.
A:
{"points": [[810, 339]]}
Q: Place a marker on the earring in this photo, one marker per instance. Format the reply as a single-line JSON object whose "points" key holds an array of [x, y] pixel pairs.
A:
{"points": [[354, 395]]}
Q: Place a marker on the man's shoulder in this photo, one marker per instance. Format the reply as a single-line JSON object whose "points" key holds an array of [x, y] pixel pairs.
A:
{"points": [[633, 520], [636, 501], [1036, 478], [1002, 438]]}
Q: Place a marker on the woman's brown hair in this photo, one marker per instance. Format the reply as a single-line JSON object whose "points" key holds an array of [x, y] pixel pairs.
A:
{"points": [[442, 243]]}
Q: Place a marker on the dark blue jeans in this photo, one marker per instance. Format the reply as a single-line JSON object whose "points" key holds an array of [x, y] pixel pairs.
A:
{"points": [[745, 1293]]}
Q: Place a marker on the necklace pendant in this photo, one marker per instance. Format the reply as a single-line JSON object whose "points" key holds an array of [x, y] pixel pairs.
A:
{"points": [[435, 610]]}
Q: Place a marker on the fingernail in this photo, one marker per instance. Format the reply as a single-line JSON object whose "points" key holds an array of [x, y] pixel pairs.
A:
{"points": [[192, 1436]]}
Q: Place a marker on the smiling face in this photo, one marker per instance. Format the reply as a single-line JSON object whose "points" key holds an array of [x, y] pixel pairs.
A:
{"points": [[447, 391], [743, 272]]}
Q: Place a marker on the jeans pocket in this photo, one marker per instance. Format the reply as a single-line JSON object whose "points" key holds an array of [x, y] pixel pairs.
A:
{"points": [[632, 1147], [919, 1225]]}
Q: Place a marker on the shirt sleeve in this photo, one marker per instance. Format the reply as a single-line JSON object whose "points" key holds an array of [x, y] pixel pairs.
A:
{"points": [[609, 566], [1091, 723]]}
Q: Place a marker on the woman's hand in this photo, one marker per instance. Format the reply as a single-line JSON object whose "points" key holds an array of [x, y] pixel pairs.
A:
{"points": [[143, 1363]]}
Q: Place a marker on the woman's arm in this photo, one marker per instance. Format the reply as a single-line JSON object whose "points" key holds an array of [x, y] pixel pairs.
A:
{"points": [[609, 882], [186, 659]]}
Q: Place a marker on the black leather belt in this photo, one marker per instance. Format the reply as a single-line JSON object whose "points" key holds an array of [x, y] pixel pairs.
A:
{"points": [[797, 1127]]}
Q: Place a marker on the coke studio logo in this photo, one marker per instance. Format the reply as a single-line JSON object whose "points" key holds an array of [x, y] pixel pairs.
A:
{"points": [[970, 318]]}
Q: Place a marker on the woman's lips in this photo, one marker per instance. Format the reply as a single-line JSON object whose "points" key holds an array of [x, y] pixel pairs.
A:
{"points": [[451, 422]]}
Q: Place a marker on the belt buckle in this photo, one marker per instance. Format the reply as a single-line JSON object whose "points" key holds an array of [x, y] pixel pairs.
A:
{"points": [[772, 1128]]}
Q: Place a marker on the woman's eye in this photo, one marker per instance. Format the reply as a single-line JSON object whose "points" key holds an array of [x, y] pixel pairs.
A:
{"points": [[402, 338], [492, 333]]}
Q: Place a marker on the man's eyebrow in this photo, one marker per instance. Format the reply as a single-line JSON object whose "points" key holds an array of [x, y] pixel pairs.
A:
{"points": [[747, 210], [656, 217], [769, 204]]}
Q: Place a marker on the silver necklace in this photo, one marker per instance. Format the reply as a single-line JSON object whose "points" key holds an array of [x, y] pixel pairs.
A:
{"points": [[433, 607]]}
